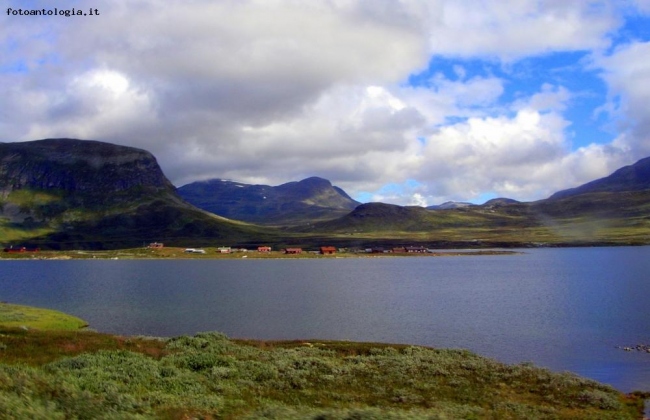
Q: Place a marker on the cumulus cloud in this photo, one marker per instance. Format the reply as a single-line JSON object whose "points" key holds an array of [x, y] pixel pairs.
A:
{"points": [[514, 151], [642, 5], [99, 100], [443, 98], [514, 29], [627, 72], [273, 91], [350, 134]]}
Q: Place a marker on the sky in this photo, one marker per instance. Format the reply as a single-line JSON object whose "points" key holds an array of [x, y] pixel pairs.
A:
{"points": [[410, 102]]}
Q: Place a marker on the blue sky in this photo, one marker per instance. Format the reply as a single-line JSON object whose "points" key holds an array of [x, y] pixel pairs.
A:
{"points": [[407, 102], [526, 77]]}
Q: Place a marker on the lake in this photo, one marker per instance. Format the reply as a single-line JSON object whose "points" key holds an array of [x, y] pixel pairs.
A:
{"points": [[565, 309]]}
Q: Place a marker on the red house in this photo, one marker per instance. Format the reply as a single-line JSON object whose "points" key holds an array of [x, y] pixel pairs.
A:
{"points": [[13, 250], [292, 251], [327, 250]]}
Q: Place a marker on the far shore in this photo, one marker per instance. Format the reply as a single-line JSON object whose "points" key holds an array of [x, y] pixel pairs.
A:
{"points": [[211, 253]]}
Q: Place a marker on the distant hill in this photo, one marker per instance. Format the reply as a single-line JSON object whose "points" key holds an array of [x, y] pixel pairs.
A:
{"points": [[634, 177], [587, 217], [293, 203], [450, 205], [73, 193], [380, 217], [501, 201]]}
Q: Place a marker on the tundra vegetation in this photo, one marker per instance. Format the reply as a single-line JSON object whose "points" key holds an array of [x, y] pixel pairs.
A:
{"points": [[58, 374], [43, 319]]}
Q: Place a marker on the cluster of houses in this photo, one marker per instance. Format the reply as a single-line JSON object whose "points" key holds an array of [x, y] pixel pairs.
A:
{"points": [[399, 250], [19, 249], [324, 250]]}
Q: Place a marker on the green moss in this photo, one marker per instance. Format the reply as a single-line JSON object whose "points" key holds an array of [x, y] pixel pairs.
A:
{"points": [[42, 319], [31, 198], [13, 233]]}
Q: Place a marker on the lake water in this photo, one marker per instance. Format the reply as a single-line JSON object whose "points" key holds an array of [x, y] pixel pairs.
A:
{"points": [[565, 309]]}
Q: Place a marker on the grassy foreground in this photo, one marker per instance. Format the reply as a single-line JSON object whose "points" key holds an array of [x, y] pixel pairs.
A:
{"points": [[42, 319], [84, 374]]}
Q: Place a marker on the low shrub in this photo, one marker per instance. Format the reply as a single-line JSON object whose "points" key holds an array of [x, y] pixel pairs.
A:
{"points": [[209, 375]]}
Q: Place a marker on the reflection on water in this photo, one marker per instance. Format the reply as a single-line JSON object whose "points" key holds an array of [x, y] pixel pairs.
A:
{"points": [[566, 309]]}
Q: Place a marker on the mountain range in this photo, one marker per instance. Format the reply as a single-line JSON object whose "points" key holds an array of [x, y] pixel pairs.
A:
{"points": [[68, 193], [293, 203], [612, 210]]}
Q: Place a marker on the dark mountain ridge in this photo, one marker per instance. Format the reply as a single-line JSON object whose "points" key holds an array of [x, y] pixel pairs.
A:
{"points": [[634, 177], [80, 193], [71, 166], [500, 201], [293, 203]]}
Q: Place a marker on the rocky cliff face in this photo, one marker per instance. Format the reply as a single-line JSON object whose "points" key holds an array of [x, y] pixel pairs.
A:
{"points": [[66, 193], [78, 166]]}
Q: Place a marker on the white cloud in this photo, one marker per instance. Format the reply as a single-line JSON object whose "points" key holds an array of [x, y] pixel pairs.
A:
{"points": [[350, 133], [642, 5], [271, 91], [97, 101], [513, 29], [445, 98], [503, 155], [627, 73], [549, 98], [418, 200]]}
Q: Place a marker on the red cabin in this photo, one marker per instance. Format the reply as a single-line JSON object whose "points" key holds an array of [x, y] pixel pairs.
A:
{"points": [[327, 250]]}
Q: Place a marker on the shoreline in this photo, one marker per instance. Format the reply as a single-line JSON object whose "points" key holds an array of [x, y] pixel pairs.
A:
{"points": [[173, 253]]}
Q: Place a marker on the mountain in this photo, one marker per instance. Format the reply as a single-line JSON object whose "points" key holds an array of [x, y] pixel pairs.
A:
{"points": [[99, 173], [379, 217], [634, 177], [80, 193], [611, 211], [501, 201], [622, 198], [293, 203], [450, 205], [390, 219]]}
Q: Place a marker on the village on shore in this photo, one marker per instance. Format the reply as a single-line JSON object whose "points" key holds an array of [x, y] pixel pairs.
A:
{"points": [[159, 250], [326, 250], [322, 250]]}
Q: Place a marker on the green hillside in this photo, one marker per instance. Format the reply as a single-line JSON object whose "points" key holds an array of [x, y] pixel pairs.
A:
{"points": [[596, 219], [66, 193]]}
